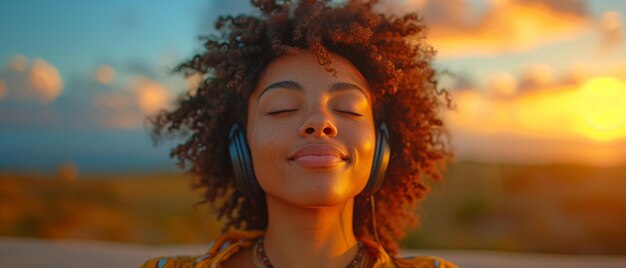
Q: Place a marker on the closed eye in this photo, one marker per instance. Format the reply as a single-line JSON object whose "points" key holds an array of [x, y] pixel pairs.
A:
{"points": [[282, 111], [349, 112]]}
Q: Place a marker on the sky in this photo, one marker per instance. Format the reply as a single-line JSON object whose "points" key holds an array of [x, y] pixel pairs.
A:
{"points": [[534, 82]]}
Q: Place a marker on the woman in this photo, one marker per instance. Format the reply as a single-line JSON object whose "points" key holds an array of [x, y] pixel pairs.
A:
{"points": [[311, 135]]}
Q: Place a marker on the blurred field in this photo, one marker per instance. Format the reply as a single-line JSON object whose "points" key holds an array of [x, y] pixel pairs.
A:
{"points": [[144, 208], [551, 209]]}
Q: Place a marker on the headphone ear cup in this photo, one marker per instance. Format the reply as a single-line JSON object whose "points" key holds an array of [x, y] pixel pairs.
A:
{"points": [[241, 161], [382, 152]]}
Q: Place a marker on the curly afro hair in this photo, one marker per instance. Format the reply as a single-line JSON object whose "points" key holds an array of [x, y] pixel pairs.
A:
{"points": [[390, 53]]}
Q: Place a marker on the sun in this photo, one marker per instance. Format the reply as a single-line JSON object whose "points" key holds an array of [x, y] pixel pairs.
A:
{"points": [[602, 105]]}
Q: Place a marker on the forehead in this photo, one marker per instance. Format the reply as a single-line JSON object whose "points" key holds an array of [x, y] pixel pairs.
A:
{"points": [[305, 69]]}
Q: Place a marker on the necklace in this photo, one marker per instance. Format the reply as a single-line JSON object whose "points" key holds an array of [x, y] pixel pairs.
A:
{"points": [[261, 260]]}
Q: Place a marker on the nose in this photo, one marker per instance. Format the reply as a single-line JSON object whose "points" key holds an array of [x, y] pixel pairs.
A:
{"points": [[318, 125]]}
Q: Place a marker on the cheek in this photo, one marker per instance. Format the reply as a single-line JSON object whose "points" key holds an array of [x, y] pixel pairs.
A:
{"points": [[262, 141], [365, 144], [362, 137], [268, 146]]}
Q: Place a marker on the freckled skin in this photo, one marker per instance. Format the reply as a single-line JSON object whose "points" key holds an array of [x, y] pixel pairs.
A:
{"points": [[315, 114]]}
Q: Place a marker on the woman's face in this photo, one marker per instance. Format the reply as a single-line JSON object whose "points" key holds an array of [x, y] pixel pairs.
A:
{"points": [[311, 134]]}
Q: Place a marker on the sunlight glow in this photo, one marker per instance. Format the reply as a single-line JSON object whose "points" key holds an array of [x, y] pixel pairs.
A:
{"points": [[569, 123], [602, 104]]}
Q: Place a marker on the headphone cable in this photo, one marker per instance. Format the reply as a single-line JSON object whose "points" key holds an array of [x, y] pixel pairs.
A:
{"points": [[375, 226]]}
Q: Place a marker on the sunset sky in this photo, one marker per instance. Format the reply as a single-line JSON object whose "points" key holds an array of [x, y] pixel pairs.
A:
{"points": [[534, 82]]}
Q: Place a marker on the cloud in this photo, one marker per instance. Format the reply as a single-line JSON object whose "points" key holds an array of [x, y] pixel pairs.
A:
{"points": [[93, 101], [577, 73], [38, 82], [611, 26], [558, 124], [111, 102], [502, 84], [45, 79], [118, 106], [457, 28], [115, 109], [104, 74], [537, 75], [122, 107], [150, 95]]}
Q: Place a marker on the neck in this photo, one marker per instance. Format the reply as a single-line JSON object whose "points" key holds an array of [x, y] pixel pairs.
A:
{"points": [[309, 237]]}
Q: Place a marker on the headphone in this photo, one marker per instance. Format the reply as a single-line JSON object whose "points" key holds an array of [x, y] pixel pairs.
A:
{"points": [[246, 182]]}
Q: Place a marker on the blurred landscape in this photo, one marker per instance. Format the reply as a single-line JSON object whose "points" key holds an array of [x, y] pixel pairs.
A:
{"points": [[548, 209], [142, 208], [551, 209]]}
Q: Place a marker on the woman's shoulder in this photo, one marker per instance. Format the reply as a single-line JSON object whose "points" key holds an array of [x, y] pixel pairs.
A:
{"points": [[229, 243], [205, 261], [383, 259], [219, 250]]}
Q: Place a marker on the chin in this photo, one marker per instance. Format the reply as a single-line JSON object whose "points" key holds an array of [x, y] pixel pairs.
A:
{"points": [[320, 196], [319, 201], [314, 189]]}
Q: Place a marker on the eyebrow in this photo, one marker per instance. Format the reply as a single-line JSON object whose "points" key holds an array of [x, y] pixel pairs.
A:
{"points": [[341, 86], [293, 85], [286, 84]]}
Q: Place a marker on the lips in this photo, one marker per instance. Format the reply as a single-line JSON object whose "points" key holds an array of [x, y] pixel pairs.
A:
{"points": [[318, 155]]}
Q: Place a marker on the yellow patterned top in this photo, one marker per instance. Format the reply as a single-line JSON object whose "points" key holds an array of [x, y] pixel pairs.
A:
{"points": [[230, 243]]}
